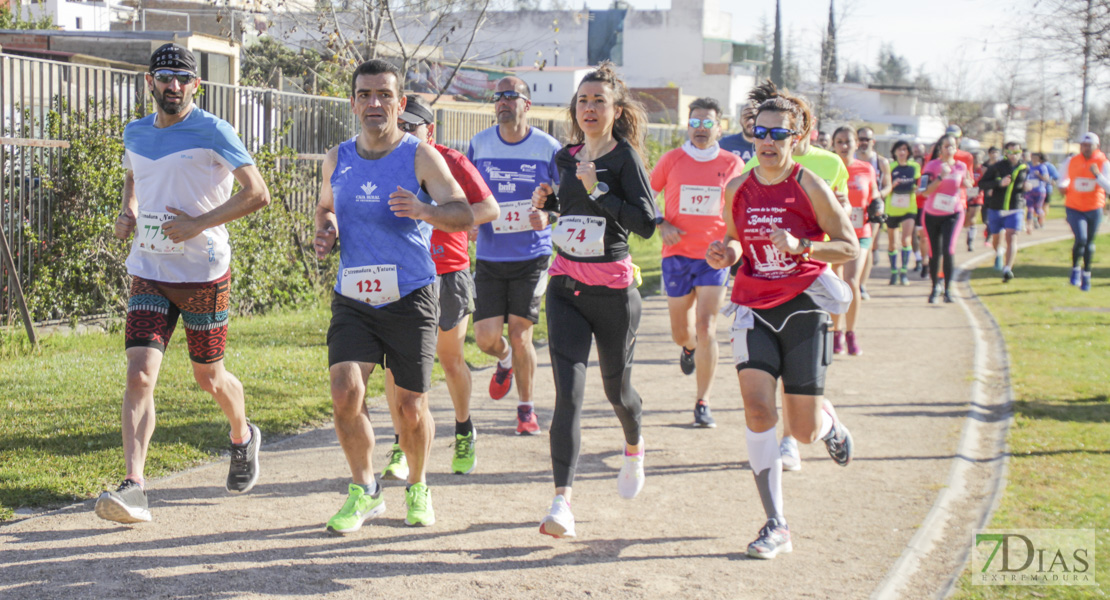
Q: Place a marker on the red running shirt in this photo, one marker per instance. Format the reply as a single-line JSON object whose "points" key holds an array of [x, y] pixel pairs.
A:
{"points": [[767, 277], [861, 178], [449, 250]]}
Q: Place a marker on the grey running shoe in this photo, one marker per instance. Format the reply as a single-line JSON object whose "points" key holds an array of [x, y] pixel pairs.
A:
{"points": [[125, 505], [839, 440], [243, 472], [774, 539], [863, 295], [703, 417], [1007, 275], [686, 361], [791, 459]]}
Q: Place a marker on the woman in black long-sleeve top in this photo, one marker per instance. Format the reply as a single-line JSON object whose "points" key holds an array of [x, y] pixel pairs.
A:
{"points": [[604, 196]]}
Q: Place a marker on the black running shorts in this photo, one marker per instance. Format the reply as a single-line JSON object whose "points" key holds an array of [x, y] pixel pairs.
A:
{"points": [[799, 352], [456, 298], [510, 288], [400, 335]]}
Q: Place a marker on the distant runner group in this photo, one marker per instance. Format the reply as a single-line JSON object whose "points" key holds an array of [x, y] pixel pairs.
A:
{"points": [[793, 222]]}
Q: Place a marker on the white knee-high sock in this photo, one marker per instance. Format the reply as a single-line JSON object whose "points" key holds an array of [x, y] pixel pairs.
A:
{"points": [[766, 462]]}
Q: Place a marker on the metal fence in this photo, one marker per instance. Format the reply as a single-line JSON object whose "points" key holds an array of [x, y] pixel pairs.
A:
{"points": [[31, 90]]}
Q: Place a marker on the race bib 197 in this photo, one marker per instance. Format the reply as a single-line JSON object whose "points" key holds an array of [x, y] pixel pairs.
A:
{"points": [[514, 217], [373, 284], [700, 200], [580, 236], [150, 237]]}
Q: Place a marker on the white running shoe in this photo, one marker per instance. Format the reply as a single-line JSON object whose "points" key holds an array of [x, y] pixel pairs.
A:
{"points": [[791, 460], [559, 523], [631, 478]]}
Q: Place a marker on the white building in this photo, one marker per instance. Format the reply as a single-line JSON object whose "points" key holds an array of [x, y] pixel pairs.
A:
{"points": [[903, 111], [72, 16], [688, 46], [551, 86]]}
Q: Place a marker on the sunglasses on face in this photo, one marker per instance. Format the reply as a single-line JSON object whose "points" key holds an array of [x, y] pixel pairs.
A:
{"points": [[409, 127], [777, 133], [168, 76], [706, 123], [507, 95], [1013, 152]]}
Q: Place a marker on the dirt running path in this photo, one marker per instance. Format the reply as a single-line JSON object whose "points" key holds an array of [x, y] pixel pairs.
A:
{"points": [[905, 399]]}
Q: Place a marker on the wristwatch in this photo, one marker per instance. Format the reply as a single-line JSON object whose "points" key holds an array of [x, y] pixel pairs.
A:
{"points": [[658, 220], [600, 189], [807, 249]]}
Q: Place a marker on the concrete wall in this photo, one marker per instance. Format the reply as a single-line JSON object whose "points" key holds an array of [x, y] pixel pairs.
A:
{"points": [[71, 16], [551, 86]]}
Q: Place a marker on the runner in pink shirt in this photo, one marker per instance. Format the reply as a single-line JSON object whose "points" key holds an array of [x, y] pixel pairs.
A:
{"points": [[945, 181]]}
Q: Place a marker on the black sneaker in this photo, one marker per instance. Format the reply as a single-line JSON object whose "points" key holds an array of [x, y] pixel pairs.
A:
{"points": [[243, 472], [702, 415], [1007, 275], [774, 539], [125, 505], [839, 440], [686, 361], [948, 298]]}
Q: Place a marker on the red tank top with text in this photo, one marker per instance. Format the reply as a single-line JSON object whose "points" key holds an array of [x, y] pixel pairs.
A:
{"points": [[767, 277]]}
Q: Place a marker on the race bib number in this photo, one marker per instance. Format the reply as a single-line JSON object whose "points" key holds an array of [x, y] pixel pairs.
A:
{"points": [[857, 217], [150, 237], [900, 200], [700, 200], [1085, 184], [973, 192], [514, 217], [374, 284], [580, 236], [945, 203]]}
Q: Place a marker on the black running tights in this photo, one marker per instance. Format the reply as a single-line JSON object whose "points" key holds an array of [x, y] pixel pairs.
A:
{"points": [[574, 319], [942, 232]]}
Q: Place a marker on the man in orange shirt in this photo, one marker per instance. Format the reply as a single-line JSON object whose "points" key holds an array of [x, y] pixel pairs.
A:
{"points": [[692, 179], [1087, 181]]}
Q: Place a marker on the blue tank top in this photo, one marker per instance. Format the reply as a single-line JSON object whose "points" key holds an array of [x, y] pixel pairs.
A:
{"points": [[370, 233]]}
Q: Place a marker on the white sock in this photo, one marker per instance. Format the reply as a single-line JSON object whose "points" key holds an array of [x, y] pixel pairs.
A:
{"points": [[917, 255], [826, 424], [766, 463], [529, 404], [507, 362]]}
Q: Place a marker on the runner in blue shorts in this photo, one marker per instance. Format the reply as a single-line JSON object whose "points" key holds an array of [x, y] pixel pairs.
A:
{"points": [[692, 180]]}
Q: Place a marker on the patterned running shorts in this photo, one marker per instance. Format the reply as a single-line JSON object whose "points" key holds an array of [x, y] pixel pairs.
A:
{"points": [[153, 308]]}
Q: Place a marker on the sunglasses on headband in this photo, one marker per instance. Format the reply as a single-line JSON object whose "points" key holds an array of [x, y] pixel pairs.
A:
{"points": [[777, 133], [182, 77]]}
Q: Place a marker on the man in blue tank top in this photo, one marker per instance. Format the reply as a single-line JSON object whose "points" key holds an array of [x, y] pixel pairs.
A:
{"points": [[513, 251], [740, 144], [383, 191]]}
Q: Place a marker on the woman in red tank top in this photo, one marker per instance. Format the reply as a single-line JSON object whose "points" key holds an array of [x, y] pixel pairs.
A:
{"points": [[778, 216]]}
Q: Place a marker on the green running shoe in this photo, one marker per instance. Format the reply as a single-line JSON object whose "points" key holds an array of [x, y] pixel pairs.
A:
{"points": [[398, 467], [359, 507], [465, 458], [419, 500]]}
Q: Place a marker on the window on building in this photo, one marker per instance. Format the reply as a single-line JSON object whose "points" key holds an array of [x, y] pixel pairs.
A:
{"points": [[78, 19], [551, 87], [535, 87]]}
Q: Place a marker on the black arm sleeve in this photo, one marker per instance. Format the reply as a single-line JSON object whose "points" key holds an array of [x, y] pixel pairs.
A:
{"points": [[636, 210]]}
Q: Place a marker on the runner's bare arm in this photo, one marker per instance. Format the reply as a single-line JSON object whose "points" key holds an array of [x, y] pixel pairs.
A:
{"points": [[252, 195], [842, 245], [485, 211], [726, 252], [451, 211], [886, 183], [327, 229], [129, 208]]}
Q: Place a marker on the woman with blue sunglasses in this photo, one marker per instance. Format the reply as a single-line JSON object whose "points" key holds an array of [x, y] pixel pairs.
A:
{"points": [[777, 219]]}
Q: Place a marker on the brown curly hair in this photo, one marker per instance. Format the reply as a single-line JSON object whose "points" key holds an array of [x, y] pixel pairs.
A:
{"points": [[630, 126]]}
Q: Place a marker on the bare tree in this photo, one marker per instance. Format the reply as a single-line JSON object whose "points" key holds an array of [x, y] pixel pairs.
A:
{"points": [[1076, 33]]}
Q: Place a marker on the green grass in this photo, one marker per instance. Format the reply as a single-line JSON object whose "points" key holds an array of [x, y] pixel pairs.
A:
{"points": [[1058, 339], [60, 430]]}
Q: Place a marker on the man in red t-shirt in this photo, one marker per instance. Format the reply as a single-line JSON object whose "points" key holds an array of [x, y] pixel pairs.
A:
{"points": [[456, 291]]}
